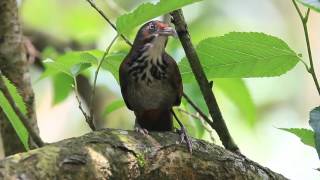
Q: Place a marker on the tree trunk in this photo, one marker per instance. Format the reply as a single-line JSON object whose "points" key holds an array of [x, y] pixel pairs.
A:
{"points": [[119, 154], [14, 66]]}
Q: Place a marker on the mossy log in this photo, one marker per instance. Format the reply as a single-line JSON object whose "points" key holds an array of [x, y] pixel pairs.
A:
{"points": [[120, 154]]}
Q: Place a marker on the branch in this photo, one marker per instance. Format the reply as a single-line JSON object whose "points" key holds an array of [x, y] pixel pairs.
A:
{"points": [[219, 124], [34, 136], [304, 21], [119, 154]]}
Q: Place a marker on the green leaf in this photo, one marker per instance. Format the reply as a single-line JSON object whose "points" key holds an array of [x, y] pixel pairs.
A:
{"points": [[112, 63], [237, 91], [15, 95], [148, 11], [113, 106], [315, 124], [78, 68], [71, 63], [306, 135], [313, 4], [62, 86], [242, 55], [11, 115]]}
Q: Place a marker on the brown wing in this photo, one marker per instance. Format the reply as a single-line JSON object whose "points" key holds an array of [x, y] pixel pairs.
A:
{"points": [[123, 78], [175, 78]]}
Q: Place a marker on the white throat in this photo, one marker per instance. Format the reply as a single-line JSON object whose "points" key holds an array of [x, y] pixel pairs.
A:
{"points": [[154, 49]]}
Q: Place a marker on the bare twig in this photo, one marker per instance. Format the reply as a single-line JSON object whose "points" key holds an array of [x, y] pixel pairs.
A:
{"points": [[304, 21], [195, 107], [203, 122], [219, 124], [34, 136], [108, 20], [86, 116], [91, 105]]}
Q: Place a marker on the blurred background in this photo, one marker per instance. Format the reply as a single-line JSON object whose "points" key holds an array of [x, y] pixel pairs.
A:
{"points": [[279, 102]]}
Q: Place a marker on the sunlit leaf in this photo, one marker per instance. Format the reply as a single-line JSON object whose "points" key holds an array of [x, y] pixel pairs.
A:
{"points": [[306, 135], [237, 91], [313, 4], [62, 86], [315, 124], [148, 11], [11, 115], [113, 106], [242, 55]]}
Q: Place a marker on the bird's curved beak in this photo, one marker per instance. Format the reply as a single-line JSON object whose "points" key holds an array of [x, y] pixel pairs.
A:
{"points": [[167, 31]]}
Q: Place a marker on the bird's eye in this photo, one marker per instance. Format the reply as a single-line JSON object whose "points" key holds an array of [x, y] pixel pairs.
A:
{"points": [[152, 27]]}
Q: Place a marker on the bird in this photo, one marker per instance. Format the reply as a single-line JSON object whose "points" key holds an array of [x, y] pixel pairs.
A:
{"points": [[150, 79]]}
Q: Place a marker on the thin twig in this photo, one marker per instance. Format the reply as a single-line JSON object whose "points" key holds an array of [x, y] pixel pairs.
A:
{"points": [[203, 122], [34, 136], [91, 105], [109, 21], [219, 123], [195, 107], [304, 20], [86, 116]]}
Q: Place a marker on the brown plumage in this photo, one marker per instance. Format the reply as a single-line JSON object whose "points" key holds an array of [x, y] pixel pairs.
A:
{"points": [[150, 79]]}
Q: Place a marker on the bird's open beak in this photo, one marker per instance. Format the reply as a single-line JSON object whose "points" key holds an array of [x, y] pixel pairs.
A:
{"points": [[167, 31]]}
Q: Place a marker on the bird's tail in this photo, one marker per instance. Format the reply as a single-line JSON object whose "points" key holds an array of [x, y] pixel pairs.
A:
{"points": [[155, 119]]}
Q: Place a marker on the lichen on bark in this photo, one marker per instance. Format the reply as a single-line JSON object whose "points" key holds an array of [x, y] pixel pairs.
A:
{"points": [[119, 154]]}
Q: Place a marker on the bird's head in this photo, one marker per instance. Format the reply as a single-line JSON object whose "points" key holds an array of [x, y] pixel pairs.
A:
{"points": [[153, 35]]}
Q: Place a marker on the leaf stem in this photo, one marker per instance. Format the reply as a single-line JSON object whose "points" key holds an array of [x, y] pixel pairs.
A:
{"points": [[304, 20], [91, 105], [34, 136]]}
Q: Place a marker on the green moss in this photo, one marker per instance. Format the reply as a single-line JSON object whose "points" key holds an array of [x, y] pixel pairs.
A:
{"points": [[141, 160]]}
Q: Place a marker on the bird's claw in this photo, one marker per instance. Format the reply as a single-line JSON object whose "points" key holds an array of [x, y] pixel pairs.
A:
{"points": [[142, 131], [185, 138]]}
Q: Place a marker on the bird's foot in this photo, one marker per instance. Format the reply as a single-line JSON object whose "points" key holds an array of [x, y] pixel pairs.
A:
{"points": [[185, 138], [142, 131]]}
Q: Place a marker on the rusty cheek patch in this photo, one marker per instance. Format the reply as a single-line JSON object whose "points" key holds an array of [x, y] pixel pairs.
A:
{"points": [[161, 25]]}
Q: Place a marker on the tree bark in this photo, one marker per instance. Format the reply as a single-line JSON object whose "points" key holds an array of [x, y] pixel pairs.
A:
{"points": [[14, 66], [119, 154]]}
